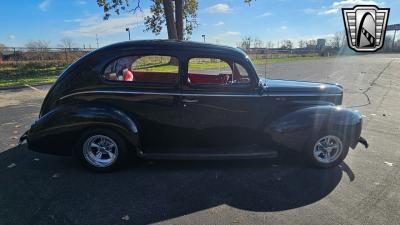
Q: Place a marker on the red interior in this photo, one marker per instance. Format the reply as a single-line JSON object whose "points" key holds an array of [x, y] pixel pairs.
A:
{"points": [[155, 77], [208, 79], [165, 77]]}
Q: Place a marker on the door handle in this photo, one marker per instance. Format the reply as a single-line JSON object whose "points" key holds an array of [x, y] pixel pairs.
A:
{"points": [[185, 100]]}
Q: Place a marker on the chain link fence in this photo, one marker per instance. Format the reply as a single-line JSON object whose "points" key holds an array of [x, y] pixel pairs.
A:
{"points": [[19, 65]]}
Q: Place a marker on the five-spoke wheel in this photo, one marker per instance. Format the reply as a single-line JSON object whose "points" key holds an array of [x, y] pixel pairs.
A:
{"points": [[101, 149], [326, 150]]}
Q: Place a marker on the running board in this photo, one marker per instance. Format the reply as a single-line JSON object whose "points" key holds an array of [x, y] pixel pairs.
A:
{"points": [[208, 156]]}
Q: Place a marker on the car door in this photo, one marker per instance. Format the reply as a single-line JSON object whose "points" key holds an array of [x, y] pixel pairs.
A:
{"points": [[221, 104], [148, 89]]}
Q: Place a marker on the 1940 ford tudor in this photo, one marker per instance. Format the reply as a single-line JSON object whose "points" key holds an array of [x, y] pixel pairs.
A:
{"points": [[187, 100]]}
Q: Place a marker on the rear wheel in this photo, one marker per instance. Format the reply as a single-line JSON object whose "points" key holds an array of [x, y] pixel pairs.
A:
{"points": [[101, 150], [326, 150]]}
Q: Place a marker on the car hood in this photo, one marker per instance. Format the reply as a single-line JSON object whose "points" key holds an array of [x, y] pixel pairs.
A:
{"points": [[305, 87]]}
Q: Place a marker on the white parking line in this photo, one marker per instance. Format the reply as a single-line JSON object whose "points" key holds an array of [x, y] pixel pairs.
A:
{"points": [[33, 88]]}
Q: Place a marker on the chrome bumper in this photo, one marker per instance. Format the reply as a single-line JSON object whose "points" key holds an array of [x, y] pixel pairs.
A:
{"points": [[23, 138]]}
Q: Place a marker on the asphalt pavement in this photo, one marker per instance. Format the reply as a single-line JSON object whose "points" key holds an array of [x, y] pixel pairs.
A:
{"points": [[365, 189]]}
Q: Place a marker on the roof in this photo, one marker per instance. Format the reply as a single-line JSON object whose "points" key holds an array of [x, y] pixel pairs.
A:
{"points": [[171, 44]]}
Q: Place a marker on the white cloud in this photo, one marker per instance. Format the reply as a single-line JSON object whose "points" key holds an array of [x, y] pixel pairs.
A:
{"points": [[265, 14], [80, 2], [328, 11], [11, 37], [73, 20], [232, 33], [93, 25], [219, 8], [220, 23], [283, 27], [228, 38], [336, 6], [44, 5], [310, 11]]}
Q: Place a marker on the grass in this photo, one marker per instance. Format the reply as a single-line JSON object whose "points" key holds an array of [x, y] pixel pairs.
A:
{"points": [[287, 59], [14, 75], [27, 80], [17, 76]]}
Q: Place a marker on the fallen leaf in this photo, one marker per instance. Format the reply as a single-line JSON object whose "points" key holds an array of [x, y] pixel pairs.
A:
{"points": [[18, 125], [15, 132], [126, 218], [389, 163], [373, 114], [12, 145], [12, 165], [14, 137]]}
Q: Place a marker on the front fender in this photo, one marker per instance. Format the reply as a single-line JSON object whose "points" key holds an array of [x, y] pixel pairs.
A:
{"points": [[295, 128], [57, 131]]}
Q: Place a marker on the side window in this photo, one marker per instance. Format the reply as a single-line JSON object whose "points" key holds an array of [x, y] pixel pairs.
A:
{"points": [[144, 69], [240, 75], [213, 71]]}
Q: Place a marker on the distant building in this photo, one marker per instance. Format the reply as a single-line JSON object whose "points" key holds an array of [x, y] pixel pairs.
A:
{"points": [[321, 43]]}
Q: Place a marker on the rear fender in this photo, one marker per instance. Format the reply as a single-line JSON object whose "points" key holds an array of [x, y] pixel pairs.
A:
{"points": [[64, 124], [294, 129]]}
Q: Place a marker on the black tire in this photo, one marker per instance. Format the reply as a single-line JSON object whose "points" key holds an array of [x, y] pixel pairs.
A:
{"points": [[120, 151], [309, 151]]}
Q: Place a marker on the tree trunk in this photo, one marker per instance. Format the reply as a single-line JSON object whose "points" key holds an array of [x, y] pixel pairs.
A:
{"points": [[179, 18], [169, 18]]}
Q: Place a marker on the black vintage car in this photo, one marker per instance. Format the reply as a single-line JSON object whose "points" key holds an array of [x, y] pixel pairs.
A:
{"points": [[184, 100]]}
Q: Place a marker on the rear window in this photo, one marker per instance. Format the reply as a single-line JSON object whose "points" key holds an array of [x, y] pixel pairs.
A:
{"points": [[143, 69]]}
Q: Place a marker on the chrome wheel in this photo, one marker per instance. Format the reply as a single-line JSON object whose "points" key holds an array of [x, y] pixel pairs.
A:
{"points": [[328, 149], [100, 151]]}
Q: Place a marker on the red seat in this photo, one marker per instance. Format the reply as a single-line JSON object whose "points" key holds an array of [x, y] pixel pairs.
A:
{"points": [[208, 79]]}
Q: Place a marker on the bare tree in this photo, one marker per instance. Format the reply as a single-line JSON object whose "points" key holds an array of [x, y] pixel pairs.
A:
{"points": [[287, 44], [302, 44], [257, 43], [2, 46], [270, 44], [245, 43], [311, 43], [337, 40], [38, 45], [66, 42]]}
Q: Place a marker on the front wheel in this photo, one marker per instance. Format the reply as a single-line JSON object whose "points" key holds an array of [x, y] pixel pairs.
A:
{"points": [[326, 150], [101, 149]]}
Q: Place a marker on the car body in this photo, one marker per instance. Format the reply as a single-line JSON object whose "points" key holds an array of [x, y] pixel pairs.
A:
{"points": [[185, 114]]}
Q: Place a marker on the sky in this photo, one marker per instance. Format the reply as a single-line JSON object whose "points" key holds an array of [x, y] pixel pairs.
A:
{"points": [[222, 21]]}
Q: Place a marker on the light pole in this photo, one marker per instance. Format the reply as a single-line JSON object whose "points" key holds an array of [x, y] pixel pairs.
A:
{"points": [[204, 38], [129, 32], [97, 41]]}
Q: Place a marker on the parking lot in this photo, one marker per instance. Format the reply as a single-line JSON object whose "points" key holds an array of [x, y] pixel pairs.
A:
{"points": [[44, 189]]}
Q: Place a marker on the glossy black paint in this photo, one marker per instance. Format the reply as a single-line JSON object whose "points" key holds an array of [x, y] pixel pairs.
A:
{"points": [[159, 120]]}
